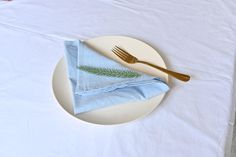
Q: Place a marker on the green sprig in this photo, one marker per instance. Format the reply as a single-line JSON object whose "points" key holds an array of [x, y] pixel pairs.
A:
{"points": [[109, 72]]}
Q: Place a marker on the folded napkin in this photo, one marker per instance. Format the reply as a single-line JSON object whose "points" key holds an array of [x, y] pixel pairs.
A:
{"points": [[99, 82]]}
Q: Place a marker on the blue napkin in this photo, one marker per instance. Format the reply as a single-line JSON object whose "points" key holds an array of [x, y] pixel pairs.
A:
{"points": [[99, 82]]}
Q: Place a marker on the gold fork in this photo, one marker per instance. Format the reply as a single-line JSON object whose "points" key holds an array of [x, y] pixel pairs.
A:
{"points": [[128, 58]]}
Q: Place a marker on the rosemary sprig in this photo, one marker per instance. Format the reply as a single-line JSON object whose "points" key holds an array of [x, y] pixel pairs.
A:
{"points": [[109, 72]]}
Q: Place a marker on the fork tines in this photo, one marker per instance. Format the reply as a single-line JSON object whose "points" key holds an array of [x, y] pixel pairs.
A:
{"points": [[121, 52]]}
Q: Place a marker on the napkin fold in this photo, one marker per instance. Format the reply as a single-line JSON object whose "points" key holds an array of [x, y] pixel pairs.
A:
{"points": [[98, 81]]}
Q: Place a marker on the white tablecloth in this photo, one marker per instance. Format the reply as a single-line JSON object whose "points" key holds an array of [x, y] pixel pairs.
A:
{"points": [[194, 37]]}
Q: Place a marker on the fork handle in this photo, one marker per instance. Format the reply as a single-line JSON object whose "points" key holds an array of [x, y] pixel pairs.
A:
{"points": [[182, 77]]}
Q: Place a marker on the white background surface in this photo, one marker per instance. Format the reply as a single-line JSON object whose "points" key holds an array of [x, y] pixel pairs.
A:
{"points": [[195, 37]]}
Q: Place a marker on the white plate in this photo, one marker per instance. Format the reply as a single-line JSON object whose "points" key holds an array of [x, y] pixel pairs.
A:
{"points": [[119, 113]]}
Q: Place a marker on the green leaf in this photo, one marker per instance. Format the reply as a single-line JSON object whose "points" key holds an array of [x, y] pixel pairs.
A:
{"points": [[109, 72]]}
